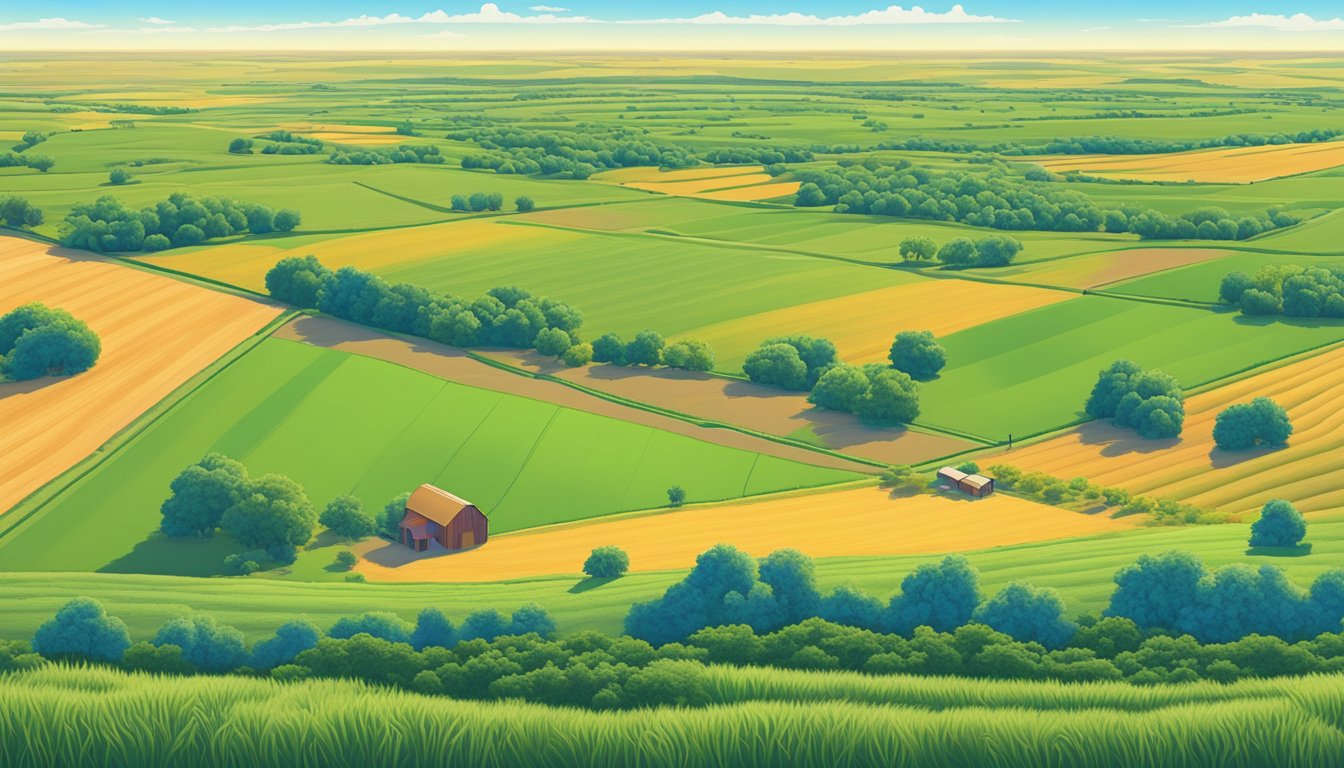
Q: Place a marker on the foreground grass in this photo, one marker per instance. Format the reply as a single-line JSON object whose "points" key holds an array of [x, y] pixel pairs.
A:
{"points": [[64, 716]]}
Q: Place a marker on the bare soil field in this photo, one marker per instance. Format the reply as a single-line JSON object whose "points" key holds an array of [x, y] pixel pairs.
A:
{"points": [[857, 521], [156, 334]]}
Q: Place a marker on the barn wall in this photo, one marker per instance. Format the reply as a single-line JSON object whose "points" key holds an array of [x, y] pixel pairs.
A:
{"points": [[469, 519]]}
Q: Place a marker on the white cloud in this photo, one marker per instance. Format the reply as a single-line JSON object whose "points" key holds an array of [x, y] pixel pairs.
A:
{"points": [[446, 34], [1298, 22], [158, 30], [548, 9], [156, 20], [57, 23], [893, 14], [488, 14]]}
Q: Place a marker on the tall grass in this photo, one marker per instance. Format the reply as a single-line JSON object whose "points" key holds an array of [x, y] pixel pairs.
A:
{"points": [[84, 716]]}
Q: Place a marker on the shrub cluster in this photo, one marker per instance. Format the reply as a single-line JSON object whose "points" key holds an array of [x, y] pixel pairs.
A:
{"points": [[478, 201], [286, 143], [1100, 145], [506, 316], [17, 212], [991, 251], [1279, 525], [1286, 289], [41, 163], [876, 393], [574, 154], [1048, 489], [404, 153], [269, 513], [649, 348], [1148, 402], [999, 199], [1261, 423], [791, 362], [181, 220], [36, 340]]}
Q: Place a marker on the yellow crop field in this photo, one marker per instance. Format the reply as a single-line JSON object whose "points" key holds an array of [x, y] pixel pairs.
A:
{"points": [[1239, 165], [156, 333], [753, 193], [857, 521], [1307, 472], [863, 325], [648, 174], [692, 187], [1098, 269]]}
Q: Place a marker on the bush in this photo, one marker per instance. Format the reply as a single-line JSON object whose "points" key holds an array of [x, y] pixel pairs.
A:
{"points": [[387, 626], [1149, 402], [201, 494], [17, 212], [37, 341], [942, 596], [777, 365], [817, 356], [1279, 525], [82, 629], [607, 562], [609, 348], [118, 176], [645, 349], [578, 355], [901, 477], [206, 644], [1259, 423], [345, 560], [393, 513], [524, 204], [240, 146], [345, 517], [918, 354], [290, 639], [552, 342], [676, 496], [689, 355]]}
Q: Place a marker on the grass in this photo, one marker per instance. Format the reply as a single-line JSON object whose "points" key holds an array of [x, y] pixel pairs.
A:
{"points": [[341, 423], [1200, 282], [58, 715]]}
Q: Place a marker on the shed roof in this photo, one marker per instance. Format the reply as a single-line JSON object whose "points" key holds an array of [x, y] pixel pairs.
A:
{"points": [[976, 481], [436, 504], [952, 473]]}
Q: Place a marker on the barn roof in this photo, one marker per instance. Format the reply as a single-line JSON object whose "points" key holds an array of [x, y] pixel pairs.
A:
{"points": [[976, 481], [436, 504], [953, 474]]}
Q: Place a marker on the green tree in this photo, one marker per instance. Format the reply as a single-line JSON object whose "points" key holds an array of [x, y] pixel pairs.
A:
{"points": [[901, 477], [645, 349], [809, 195], [393, 513], [33, 138], [607, 562], [286, 219], [918, 354], [240, 146], [959, 252], [918, 248], [996, 250], [524, 204], [689, 355], [552, 342], [840, 388], [460, 203], [201, 494], [82, 629], [777, 365], [1259, 423], [272, 513], [118, 176], [37, 341], [41, 163], [345, 560], [892, 397], [297, 280], [345, 517], [1279, 525], [578, 355], [609, 348], [676, 496]]}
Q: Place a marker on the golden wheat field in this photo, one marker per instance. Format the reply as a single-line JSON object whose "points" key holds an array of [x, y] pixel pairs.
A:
{"points": [[1240, 165], [156, 333], [1307, 472], [856, 521]]}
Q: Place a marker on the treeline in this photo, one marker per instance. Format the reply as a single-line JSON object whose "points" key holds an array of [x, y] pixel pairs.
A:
{"points": [[1047, 489], [648, 348], [1286, 289], [574, 154], [998, 199], [1091, 145], [18, 213], [108, 226], [505, 316], [283, 143], [36, 340], [42, 163], [990, 251], [404, 153]]}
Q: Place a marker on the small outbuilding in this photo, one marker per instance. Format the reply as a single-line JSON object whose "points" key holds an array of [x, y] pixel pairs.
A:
{"points": [[974, 485], [433, 514]]}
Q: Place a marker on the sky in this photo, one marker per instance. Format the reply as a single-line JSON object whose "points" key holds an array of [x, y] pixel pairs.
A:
{"points": [[680, 25]]}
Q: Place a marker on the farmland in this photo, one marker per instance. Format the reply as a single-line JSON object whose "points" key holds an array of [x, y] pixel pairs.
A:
{"points": [[1219, 166]]}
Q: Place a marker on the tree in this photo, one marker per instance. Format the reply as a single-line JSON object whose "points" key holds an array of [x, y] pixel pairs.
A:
{"points": [[187, 235], [1279, 525], [393, 513], [524, 204], [578, 355], [958, 251], [809, 195], [33, 138], [942, 596], [918, 248], [1149, 402], [82, 628], [37, 341], [286, 219], [118, 176], [345, 517], [996, 250], [676, 496], [607, 562], [609, 348], [201, 494], [689, 355], [260, 219], [892, 397], [901, 477], [1028, 614], [41, 163], [1112, 385], [290, 639], [272, 513], [777, 365], [240, 146], [552, 342], [840, 388], [1259, 423], [206, 644], [1157, 418], [345, 560], [433, 630], [645, 349], [381, 624], [484, 624], [918, 354], [17, 212], [460, 203], [298, 280]]}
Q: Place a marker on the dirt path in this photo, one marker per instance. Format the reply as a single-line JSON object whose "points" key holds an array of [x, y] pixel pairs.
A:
{"points": [[857, 521], [450, 363], [156, 334]]}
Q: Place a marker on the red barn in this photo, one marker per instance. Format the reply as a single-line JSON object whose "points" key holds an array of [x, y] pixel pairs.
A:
{"points": [[433, 513]]}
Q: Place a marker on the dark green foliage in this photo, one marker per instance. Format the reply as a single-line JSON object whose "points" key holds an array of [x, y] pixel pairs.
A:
{"points": [[574, 154], [892, 397], [404, 153], [118, 176], [82, 628], [393, 513], [916, 248], [1286, 289], [1149, 402], [645, 349], [578, 355], [1029, 614], [689, 355], [958, 252], [485, 624], [41, 163], [201, 494], [940, 595], [777, 365], [240, 146], [918, 354], [996, 250], [108, 226], [206, 644], [297, 280], [524, 204], [1259, 423], [484, 201], [809, 195], [245, 563], [840, 388], [290, 639], [345, 560], [36, 341], [901, 477], [272, 513], [609, 348], [156, 659], [32, 139], [17, 212], [345, 516], [552, 342], [433, 630], [676, 496], [607, 562], [1279, 525], [286, 219], [378, 624]]}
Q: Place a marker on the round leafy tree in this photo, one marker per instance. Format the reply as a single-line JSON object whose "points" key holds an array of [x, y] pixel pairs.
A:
{"points": [[36, 340], [1280, 525], [345, 516], [777, 365], [607, 563], [918, 354], [1259, 423]]}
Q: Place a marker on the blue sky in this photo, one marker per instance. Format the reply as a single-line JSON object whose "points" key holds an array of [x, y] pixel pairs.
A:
{"points": [[681, 25]]}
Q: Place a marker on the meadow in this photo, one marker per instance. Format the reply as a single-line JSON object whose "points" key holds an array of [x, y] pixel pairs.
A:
{"points": [[758, 718]]}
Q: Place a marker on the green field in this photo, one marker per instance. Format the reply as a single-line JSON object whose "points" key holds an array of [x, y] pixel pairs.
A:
{"points": [[340, 423], [1199, 282]]}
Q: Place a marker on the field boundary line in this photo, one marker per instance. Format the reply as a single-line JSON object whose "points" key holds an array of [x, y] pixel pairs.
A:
{"points": [[531, 451], [32, 505]]}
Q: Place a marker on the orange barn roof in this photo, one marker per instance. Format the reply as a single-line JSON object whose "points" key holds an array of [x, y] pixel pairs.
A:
{"points": [[436, 504]]}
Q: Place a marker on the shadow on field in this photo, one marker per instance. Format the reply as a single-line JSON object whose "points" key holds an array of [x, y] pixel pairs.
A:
{"points": [[592, 582], [1301, 550], [1220, 458], [1120, 442], [161, 555]]}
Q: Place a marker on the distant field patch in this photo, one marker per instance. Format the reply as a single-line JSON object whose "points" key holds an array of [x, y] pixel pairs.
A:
{"points": [[339, 423], [753, 193], [1239, 165], [1200, 281], [861, 521], [863, 325], [156, 334], [1308, 472], [1101, 269], [361, 139]]}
